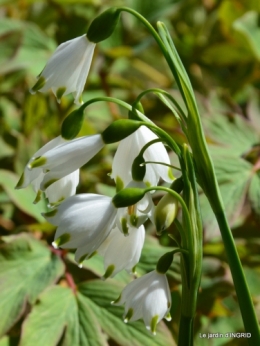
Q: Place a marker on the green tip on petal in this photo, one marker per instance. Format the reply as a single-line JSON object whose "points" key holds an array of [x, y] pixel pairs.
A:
{"points": [[81, 260], [63, 239], [50, 182], [50, 213], [116, 301], [38, 85], [38, 197], [153, 324], [124, 226], [55, 204], [133, 220], [134, 270], [109, 271], [60, 92], [38, 162], [92, 255], [129, 315], [20, 182], [168, 317]]}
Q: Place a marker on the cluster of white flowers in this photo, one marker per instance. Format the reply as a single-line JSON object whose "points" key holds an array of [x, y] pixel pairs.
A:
{"points": [[91, 223]]}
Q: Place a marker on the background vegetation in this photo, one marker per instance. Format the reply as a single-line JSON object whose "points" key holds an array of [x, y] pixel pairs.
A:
{"points": [[45, 299]]}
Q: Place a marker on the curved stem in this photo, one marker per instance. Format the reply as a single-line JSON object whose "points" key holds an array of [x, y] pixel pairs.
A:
{"points": [[161, 163], [165, 93]]}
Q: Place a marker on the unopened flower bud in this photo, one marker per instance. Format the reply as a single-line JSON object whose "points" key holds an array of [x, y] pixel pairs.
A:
{"points": [[104, 25], [128, 196], [165, 212], [72, 124], [138, 168], [119, 130]]}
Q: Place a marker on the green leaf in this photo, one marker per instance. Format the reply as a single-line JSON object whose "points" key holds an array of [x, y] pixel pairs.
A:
{"points": [[24, 46], [27, 267], [248, 26], [6, 150], [98, 295], [54, 313], [90, 330], [254, 192], [23, 198]]}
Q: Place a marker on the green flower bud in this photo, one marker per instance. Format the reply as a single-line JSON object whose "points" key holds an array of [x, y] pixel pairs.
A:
{"points": [[165, 212], [164, 263], [127, 197], [119, 130], [72, 124], [138, 172], [104, 25]]}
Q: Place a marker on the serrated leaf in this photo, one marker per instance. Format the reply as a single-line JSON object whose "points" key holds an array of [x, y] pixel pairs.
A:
{"points": [[254, 192], [54, 313], [234, 175], [90, 330], [24, 198], [27, 267], [236, 136], [98, 295]]}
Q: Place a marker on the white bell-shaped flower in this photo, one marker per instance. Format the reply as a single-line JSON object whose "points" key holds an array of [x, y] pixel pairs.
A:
{"points": [[122, 252], [128, 150], [61, 189], [84, 221], [66, 158], [67, 69], [148, 298]]}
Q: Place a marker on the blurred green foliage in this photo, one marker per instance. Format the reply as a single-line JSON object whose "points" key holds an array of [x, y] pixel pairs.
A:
{"points": [[219, 43]]}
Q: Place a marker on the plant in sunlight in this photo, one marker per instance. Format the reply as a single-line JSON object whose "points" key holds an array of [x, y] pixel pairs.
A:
{"points": [[114, 227]]}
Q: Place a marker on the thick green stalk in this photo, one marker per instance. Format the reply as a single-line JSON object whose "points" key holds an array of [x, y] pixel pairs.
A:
{"points": [[207, 179]]}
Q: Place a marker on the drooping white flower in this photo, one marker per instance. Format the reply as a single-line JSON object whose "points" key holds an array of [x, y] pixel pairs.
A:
{"points": [[128, 150], [148, 298], [61, 189], [67, 69], [84, 221], [122, 252], [66, 158]]}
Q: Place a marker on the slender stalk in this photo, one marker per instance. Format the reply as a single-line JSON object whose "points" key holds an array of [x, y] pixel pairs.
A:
{"points": [[242, 291]]}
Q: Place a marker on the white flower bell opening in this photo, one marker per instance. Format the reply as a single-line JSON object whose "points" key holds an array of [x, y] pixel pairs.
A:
{"points": [[148, 298], [61, 189], [66, 158], [84, 221], [122, 252], [67, 69], [130, 148]]}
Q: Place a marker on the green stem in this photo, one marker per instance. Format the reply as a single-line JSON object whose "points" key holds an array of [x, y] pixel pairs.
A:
{"points": [[243, 294], [186, 329]]}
